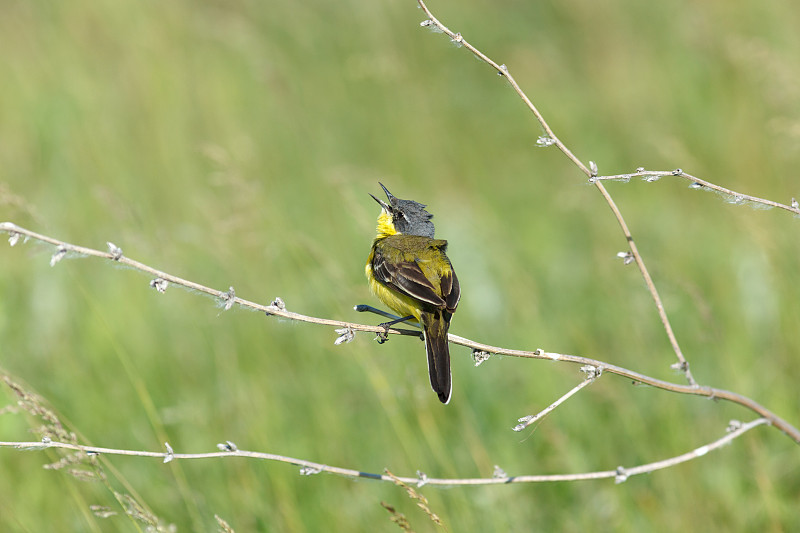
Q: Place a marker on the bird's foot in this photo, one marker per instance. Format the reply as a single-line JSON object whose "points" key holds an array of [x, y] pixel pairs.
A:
{"points": [[383, 336]]}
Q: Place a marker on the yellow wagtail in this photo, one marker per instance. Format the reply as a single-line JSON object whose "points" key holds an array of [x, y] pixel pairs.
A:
{"points": [[409, 271]]}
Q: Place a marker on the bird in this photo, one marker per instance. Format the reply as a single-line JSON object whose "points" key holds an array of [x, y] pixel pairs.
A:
{"points": [[409, 271]]}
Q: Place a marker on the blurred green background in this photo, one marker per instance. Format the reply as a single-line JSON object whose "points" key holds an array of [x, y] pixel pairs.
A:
{"points": [[234, 143]]}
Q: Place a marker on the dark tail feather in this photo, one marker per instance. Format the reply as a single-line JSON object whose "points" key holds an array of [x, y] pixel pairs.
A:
{"points": [[435, 326]]}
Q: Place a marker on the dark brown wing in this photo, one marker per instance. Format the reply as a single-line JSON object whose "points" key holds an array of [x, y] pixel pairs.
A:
{"points": [[405, 277]]}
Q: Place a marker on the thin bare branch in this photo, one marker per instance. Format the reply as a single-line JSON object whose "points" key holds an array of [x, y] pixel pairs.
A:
{"points": [[735, 430], [592, 373], [701, 184], [163, 279], [640, 379], [346, 330], [590, 171], [502, 70], [682, 364]]}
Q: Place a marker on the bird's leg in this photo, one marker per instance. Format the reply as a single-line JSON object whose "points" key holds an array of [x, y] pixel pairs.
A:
{"points": [[363, 307], [383, 337]]}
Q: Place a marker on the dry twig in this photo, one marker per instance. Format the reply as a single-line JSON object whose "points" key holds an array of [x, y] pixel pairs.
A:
{"points": [[552, 140], [735, 429], [348, 329]]}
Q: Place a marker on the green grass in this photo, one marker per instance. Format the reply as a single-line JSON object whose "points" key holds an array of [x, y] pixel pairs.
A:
{"points": [[234, 143]]}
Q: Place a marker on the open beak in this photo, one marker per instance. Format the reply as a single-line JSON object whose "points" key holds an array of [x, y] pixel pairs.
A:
{"points": [[389, 195]]}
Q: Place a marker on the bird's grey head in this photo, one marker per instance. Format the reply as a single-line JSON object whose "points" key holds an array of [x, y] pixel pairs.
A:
{"points": [[409, 217]]}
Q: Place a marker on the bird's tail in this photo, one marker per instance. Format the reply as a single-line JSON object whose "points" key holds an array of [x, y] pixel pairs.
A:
{"points": [[435, 326]]}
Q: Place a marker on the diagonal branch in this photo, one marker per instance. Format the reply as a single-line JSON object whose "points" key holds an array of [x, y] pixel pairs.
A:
{"points": [[592, 373], [682, 364], [502, 70], [552, 139]]}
